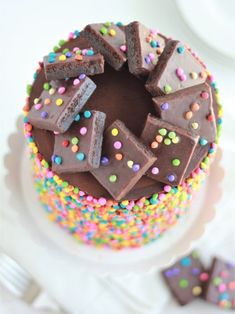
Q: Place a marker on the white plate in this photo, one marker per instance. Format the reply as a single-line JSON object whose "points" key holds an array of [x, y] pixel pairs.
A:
{"points": [[213, 21], [176, 242]]}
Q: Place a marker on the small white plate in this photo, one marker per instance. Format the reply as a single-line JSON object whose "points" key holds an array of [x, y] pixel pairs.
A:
{"points": [[213, 21], [176, 242]]}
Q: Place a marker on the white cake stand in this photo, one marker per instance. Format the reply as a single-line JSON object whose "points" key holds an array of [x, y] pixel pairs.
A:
{"points": [[176, 242]]}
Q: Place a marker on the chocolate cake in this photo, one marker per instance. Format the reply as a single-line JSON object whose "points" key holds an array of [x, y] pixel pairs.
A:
{"points": [[122, 124]]}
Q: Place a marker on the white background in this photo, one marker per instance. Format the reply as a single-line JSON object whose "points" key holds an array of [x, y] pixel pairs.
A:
{"points": [[28, 30]]}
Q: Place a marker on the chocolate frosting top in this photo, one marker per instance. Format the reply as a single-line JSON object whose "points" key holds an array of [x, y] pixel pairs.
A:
{"points": [[121, 96]]}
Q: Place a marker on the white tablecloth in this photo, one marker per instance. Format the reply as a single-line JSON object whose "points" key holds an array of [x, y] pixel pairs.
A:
{"points": [[29, 30]]}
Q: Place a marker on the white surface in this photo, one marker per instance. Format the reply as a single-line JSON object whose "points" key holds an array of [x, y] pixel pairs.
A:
{"points": [[175, 242], [28, 30]]}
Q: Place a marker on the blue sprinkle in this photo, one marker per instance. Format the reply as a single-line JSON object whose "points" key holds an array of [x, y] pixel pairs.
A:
{"points": [[203, 141], [90, 52], [77, 118], [80, 156], [76, 33], [186, 261], [87, 114], [181, 49]]}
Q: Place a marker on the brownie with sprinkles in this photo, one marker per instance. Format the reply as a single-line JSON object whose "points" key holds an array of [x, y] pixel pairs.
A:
{"points": [[59, 103], [68, 63], [220, 288], [124, 160], [173, 147], [190, 109], [176, 69], [144, 46], [79, 149], [186, 278], [109, 39]]}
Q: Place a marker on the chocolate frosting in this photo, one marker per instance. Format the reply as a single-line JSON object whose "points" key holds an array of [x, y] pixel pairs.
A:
{"points": [[121, 96]]}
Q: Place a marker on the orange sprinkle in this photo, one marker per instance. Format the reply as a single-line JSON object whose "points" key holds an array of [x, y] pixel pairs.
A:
{"points": [[159, 138], [154, 145], [118, 156], [188, 115], [74, 148]]}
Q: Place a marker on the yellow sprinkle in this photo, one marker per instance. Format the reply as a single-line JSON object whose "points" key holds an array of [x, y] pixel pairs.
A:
{"points": [[59, 101], [36, 100], [197, 290], [114, 132], [62, 58], [112, 32], [52, 91], [130, 163]]}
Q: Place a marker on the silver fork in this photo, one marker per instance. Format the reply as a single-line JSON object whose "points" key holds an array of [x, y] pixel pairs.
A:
{"points": [[20, 283]]}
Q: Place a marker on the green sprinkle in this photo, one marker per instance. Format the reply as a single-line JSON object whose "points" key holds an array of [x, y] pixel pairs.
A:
{"points": [[28, 89], [65, 184], [183, 283], [217, 281], [46, 86], [61, 42], [55, 48], [171, 135], [107, 24], [167, 141], [65, 50], [195, 254], [74, 140], [113, 178], [167, 89], [104, 30], [162, 132], [175, 162]]}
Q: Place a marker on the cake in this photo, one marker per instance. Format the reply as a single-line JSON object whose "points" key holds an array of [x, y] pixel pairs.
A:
{"points": [[122, 123]]}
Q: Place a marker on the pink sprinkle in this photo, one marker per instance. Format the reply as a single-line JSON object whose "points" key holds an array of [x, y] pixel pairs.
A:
{"points": [[89, 198], [224, 274], [222, 287], [61, 90], [102, 201], [154, 32], [167, 188], [83, 131], [155, 170], [151, 56], [161, 196], [183, 77], [71, 35], [231, 285], [76, 82], [179, 71], [204, 277], [81, 193], [123, 48], [204, 95], [117, 145], [38, 106], [75, 49], [56, 132], [84, 51]]}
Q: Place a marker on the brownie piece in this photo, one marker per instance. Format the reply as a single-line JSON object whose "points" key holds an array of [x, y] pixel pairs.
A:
{"points": [[60, 102], [109, 40], [221, 286], [190, 109], [186, 278], [176, 69], [72, 63], [144, 46], [124, 160], [173, 147], [79, 149]]}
